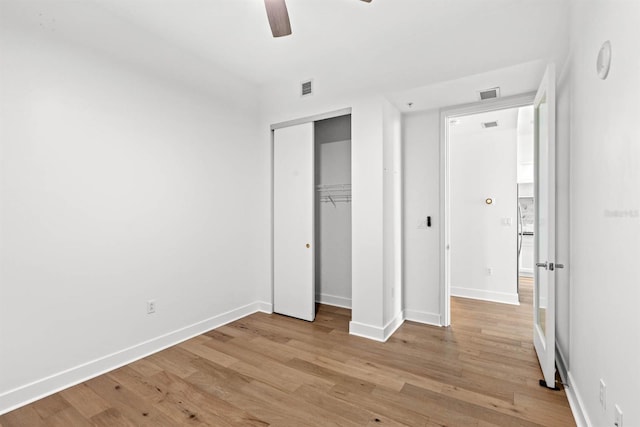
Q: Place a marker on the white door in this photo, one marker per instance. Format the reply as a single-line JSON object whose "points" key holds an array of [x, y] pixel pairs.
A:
{"points": [[544, 315], [293, 224]]}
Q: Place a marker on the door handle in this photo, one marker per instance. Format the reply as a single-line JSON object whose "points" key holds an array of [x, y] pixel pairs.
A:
{"points": [[549, 266]]}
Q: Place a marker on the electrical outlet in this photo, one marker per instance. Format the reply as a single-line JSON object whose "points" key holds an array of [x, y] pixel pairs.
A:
{"points": [[151, 306], [489, 271], [618, 417], [603, 395]]}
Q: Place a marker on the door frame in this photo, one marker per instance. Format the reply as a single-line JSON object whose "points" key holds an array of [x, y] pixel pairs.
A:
{"points": [[272, 128], [445, 184]]}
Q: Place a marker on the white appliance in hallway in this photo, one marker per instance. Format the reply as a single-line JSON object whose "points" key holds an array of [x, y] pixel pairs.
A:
{"points": [[526, 204], [526, 218]]}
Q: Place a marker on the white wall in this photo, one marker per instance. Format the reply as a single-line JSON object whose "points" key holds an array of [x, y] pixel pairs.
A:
{"points": [[421, 161], [525, 146], [392, 241], [333, 223], [605, 209], [117, 186], [281, 103], [484, 248]]}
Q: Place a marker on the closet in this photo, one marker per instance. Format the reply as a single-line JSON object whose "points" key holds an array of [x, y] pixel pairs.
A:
{"points": [[312, 216]]}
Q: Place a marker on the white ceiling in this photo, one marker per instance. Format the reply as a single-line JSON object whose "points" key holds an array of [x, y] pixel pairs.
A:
{"points": [[386, 46], [415, 42]]}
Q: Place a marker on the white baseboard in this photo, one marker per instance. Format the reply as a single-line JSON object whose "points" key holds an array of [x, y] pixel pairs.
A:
{"points": [[576, 403], [31, 392], [363, 330], [562, 364], [264, 307], [334, 300], [423, 317], [526, 272], [573, 396], [502, 297], [393, 325], [376, 333]]}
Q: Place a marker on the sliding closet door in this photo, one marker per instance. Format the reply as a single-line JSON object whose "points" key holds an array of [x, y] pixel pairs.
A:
{"points": [[293, 212]]}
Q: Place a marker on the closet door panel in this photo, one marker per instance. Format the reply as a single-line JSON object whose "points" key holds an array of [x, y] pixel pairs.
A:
{"points": [[293, 211]]}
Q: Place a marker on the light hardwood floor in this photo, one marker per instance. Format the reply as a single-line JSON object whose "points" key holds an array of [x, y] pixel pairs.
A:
{"points": [[274, 370]]}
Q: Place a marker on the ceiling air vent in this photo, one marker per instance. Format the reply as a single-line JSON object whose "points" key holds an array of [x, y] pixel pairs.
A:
{"points": [[488, 125], [489, 93], [306, 88]]}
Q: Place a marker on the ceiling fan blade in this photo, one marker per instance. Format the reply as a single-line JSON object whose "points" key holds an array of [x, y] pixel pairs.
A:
{"points": [[278, 17]]}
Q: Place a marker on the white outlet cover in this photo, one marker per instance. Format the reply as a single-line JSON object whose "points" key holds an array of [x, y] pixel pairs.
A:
{"points": [[151, 306]]}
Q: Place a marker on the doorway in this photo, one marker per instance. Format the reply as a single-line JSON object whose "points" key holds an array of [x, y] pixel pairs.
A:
{"points": [[483, 230]]}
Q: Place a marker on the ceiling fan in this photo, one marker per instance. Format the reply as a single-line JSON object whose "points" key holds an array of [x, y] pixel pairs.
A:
{"points": [[279, 17]]}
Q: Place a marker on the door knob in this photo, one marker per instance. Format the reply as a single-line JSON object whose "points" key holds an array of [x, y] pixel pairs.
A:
{"points": [[308, 246], [542, 265]]}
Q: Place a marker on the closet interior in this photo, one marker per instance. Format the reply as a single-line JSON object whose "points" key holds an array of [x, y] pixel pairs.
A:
{"points": [[333, 211]]}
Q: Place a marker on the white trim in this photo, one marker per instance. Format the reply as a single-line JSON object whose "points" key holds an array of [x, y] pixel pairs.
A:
{"points": [[561, 361], [576, 403], [393, 325], [38, 389], [363, 330], [445, 114], [501, 297], [333, 300], [376, 333], [314, 118], [423, 317], [264, 307]]}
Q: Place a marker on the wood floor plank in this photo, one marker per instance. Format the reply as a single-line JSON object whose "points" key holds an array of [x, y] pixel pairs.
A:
{"points": [[271, 370], [67, 417], [133, 407], [87, 402], [50, 405], [195, 403], [25, 416], [110, 417]]}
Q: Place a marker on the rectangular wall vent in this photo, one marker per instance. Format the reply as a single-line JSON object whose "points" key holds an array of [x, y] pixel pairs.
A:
{"points": [[487, 125], [489, 93], [306, 88]]}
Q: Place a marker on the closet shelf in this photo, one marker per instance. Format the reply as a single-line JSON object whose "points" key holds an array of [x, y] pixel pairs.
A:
{"points": [[334, 193], [334, 187]]}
